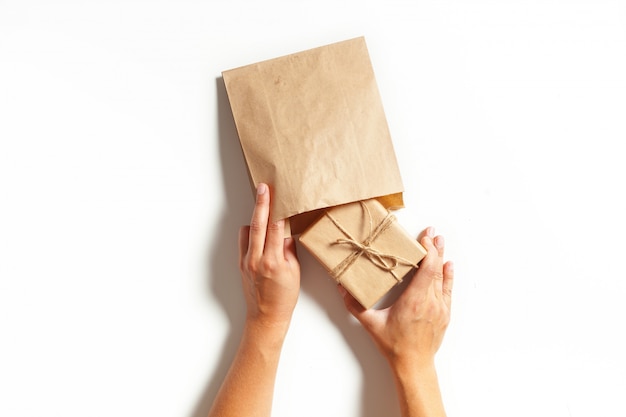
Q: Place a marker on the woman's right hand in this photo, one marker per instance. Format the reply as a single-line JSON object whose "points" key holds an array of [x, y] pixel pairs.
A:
{"points": [[409, 332]]}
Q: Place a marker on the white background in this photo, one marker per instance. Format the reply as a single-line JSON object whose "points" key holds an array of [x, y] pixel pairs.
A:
{"points": [[122, 186]]}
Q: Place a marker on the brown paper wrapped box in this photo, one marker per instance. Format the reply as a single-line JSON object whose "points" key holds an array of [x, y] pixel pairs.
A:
{"points": [[312, 126], [364, 249]]}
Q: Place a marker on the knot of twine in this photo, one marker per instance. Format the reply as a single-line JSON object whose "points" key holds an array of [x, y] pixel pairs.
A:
{"points": [[382, 260]]}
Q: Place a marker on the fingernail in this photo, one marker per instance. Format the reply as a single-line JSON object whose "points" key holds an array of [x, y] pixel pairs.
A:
{"points": [[261, 189], [430, 231], [439, 242]]}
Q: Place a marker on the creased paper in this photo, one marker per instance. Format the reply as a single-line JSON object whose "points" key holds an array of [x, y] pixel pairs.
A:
{"points": [[312, 126]]}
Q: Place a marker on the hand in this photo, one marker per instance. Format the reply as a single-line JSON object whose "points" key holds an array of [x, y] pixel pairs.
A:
{"points": [[271, 281], [409, 332], [269, 267]]}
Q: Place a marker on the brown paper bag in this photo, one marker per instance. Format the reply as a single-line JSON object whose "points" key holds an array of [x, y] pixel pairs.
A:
{"points": [[312, 126]]}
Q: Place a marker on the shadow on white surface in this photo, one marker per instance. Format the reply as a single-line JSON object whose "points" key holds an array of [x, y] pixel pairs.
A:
{"points": [[223, 281], [378, 393]]}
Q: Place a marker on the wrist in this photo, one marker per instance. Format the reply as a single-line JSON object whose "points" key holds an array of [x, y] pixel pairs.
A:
{"points": [[408, 368], [265, 332], [403, 360], [270, 319], [418, 389]]}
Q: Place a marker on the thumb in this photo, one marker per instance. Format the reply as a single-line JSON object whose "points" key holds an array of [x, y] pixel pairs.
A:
{"points": [[355, 308]]}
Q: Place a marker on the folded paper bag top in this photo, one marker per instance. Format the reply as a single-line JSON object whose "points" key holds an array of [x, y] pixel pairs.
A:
{"points": [[312, 126]]}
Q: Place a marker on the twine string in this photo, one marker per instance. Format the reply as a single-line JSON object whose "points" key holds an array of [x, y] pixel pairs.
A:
{"points": [[382, 260]]}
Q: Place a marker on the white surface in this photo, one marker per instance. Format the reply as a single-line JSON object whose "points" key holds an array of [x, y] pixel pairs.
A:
{"points": [[122, 187]]}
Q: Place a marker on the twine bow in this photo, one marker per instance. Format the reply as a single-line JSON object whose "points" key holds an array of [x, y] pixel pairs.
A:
{"points": [[364, 248]]}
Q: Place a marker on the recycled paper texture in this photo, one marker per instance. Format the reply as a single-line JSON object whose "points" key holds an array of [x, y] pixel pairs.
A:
{"points": [[312, 126], [364, 248]]}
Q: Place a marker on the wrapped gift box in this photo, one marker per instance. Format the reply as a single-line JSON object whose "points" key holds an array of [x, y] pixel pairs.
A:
{"points": [[363, 248]]}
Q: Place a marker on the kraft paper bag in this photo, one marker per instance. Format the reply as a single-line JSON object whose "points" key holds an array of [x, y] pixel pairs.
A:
{"points": [[312, 126]]}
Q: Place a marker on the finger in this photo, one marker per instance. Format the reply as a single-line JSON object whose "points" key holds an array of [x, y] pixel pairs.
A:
{"points": [[429, 231], [244, 232], [275, 239], [448, 282], [440, 243], [434, 263], [430, 269], [258, 224], [290, 252], [354, 307]]}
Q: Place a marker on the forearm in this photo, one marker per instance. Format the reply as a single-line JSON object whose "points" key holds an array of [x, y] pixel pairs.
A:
{"points": [[249, 385], [418, 390]]}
